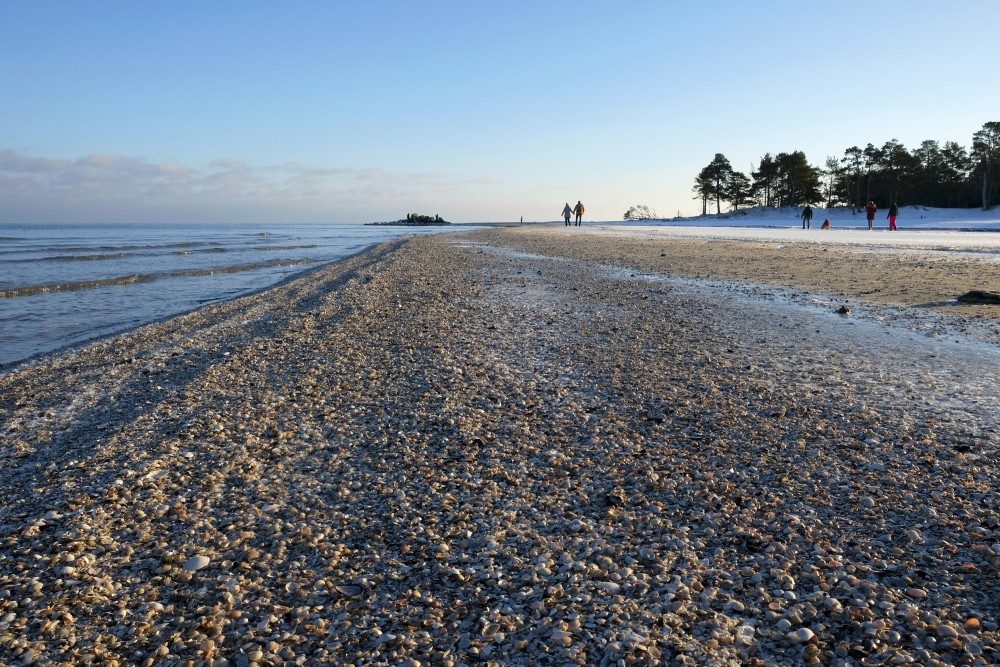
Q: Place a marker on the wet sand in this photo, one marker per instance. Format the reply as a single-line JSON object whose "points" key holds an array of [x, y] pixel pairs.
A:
{"points": [[518, 447], [907, 274]]}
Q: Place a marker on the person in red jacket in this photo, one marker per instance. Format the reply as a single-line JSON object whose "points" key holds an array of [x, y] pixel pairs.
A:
{"points": [[871, 209]]}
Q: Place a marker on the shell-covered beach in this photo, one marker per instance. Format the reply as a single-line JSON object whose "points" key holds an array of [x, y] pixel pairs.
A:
{"points": [[521, 447]]}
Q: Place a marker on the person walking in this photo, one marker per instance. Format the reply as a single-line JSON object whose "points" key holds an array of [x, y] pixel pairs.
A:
{"points": [[807, 216], [567, 212], [578, 209], [871, 210], [893, 214]]}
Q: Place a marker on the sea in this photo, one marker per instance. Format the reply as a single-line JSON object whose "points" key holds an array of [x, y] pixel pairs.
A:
{"points": [[61, 285]]}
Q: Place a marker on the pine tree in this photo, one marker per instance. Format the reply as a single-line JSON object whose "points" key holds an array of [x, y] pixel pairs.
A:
{"points": [[721, 173], [928, 174], [833, 173], [764, 180], [986, 151], [703, 188], [872, 158], [897, 165], [799, 182], [853, 161], [934, 174], [738, 190], [957, 166]]}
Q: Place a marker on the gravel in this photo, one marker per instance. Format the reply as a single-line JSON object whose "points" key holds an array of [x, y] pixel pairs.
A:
{"points": [[458, 450]]}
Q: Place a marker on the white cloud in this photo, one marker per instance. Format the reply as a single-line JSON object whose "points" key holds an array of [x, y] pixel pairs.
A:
{"points": [[99, 186], [15, 162]]}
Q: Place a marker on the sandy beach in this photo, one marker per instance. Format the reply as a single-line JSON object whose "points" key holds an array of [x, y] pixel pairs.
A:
{"points": [[524, 446], [935, 267]]}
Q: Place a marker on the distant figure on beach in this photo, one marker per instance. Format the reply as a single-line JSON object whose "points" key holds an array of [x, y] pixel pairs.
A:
{"points": [[567, 212], [807, 216], [826, 224], [871, 210], [893, 214], [522, 219], [579, 212]]}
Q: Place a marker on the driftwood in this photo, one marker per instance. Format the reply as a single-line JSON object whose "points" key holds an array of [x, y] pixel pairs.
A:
{"points": [[980, 296]]}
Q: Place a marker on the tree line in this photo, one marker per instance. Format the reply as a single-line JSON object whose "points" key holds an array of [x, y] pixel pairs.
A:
{"points": [[940, 175]]}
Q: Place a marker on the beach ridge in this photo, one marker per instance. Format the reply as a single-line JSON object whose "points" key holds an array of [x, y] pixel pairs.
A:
{"points": [[496, 447]]}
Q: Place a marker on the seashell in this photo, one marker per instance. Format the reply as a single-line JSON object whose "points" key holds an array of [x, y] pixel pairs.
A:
{"points": [[946, 631], [349, 590], [196, 563], [801, 636]]}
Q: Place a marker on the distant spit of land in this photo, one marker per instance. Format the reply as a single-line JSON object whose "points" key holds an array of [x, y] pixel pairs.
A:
{"points": [[415, 220]]}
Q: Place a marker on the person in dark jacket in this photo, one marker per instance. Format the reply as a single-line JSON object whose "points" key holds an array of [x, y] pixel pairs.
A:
{"points": [[893, 214], [807, 216], [871, 210]]}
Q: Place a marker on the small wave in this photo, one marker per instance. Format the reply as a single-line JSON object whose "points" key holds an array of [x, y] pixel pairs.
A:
{"points": [[286, 247], [133, 247], [97, 257], [78, 285], [31, 290], [238, 268], [77, 258]]}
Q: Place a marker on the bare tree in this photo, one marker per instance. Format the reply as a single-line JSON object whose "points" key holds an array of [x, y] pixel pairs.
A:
{"points": [[640, 212]]}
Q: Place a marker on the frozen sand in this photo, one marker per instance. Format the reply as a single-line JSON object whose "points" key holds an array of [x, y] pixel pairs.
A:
{"points": [[881, 239]]}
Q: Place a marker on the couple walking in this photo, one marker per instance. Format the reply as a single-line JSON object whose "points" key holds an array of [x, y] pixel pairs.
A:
{"points": [[578, 210], [871, 209]]}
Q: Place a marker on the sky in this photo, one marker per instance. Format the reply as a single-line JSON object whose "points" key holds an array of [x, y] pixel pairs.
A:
{"points": [[347, 112]]}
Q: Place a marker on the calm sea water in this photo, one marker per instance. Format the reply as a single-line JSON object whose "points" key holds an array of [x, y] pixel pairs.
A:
{"points": [[63, 284]]}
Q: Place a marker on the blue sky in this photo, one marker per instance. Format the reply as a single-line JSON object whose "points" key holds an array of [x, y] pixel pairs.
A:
{"points": [[360, 111]]}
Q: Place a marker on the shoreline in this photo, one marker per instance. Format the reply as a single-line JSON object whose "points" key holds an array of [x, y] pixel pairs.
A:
{"points": [[508, 446], [130, 332]]}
